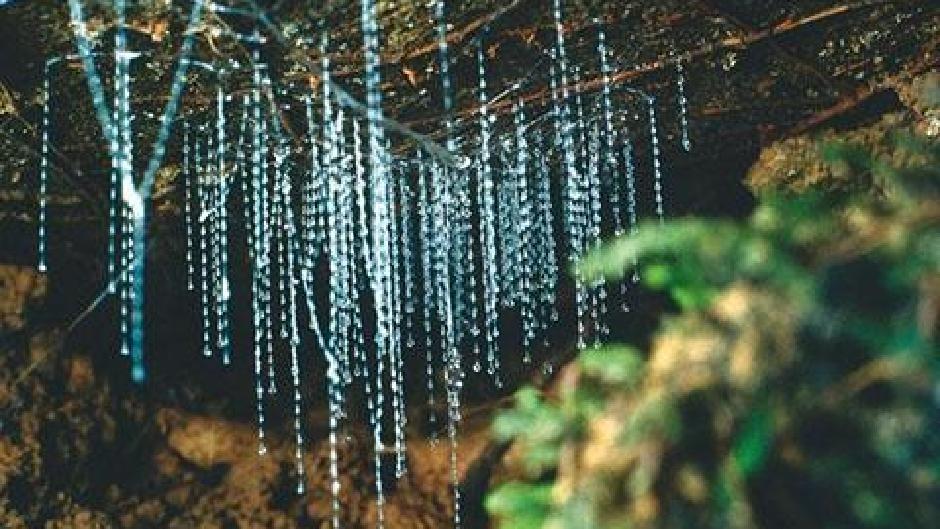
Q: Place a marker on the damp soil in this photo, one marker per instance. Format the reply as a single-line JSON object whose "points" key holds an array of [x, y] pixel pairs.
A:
{"points": [[79, 452]]}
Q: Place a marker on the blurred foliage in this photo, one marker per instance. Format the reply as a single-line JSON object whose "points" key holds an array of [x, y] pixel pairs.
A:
{"points": [[798, 386]]}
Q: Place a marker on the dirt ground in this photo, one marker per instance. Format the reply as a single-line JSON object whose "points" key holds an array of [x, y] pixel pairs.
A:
{"points": [[76, 453]]}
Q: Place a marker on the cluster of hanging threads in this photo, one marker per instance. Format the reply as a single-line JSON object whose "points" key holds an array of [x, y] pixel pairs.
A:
{"points": [[453, 372], [430, 250], [380, 266], [115, 124], [485, 192]]}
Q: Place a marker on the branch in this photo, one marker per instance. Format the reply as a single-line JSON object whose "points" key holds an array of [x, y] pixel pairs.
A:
{"points": [[929, 61], [799, 62], [455, 37], [343, 97], [623, 76]]}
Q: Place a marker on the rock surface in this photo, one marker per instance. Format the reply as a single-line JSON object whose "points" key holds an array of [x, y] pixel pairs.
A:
{"points": [[20, 286]]}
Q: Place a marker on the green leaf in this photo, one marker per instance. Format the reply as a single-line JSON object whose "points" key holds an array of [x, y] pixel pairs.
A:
{"points": [[520, 505], [615, 364], [753, 444], [657, 275]]}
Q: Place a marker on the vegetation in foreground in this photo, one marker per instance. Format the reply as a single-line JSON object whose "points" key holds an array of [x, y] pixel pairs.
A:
{"points": [[797, 386]]}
